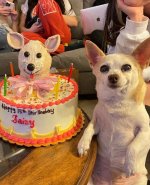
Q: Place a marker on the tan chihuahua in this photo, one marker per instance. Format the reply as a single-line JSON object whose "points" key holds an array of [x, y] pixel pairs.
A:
{"points": [[120, 120]]}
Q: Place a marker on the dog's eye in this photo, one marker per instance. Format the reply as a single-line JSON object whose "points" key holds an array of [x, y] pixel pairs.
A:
{"points": [[126, 67], [38, 55], [104, 69], [26, 54]]}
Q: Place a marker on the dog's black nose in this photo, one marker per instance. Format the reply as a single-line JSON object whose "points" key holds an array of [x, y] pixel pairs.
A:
{"points": [[30, 67], [113, 79]]}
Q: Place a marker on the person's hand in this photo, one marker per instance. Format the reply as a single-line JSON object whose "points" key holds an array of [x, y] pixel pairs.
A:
{"points": [[14, 15], [5, 11], [136, 2], [36, 28], [134, 13]]}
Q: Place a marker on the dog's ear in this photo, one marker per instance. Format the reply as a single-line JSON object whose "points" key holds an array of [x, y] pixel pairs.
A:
{"points": [[142, 53], [94, 54]]}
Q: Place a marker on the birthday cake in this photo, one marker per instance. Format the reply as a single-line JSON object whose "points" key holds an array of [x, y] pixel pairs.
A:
{"points": [[38, 110]]}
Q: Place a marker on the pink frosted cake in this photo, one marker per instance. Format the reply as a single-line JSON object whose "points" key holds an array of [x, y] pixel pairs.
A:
{"points": [[38, 108], [36, 122]]}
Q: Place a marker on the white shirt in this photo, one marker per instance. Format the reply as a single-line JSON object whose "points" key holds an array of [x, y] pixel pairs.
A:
{"points": [[68, 9], [132, 35]]}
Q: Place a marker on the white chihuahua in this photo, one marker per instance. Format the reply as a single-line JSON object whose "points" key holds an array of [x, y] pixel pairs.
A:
{"points": [[120, 120]]}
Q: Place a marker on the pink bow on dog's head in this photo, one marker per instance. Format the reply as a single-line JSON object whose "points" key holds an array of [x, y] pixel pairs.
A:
{"points": [[24, 88]]}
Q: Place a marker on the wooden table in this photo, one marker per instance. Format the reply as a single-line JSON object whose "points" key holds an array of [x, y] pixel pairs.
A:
{"points": [[54, 165]]}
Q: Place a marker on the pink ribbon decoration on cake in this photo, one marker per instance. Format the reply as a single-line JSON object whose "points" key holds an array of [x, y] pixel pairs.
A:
{"points": [[24, 88]]}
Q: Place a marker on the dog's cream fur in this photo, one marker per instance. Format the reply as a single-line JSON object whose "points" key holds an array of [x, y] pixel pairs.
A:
{"points": [[120, 120]]}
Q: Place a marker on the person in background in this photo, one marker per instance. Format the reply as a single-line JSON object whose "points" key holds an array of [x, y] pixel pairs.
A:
{"points": [[117, 17], [136, 29], [126, 26], [51, 17], [28, 17], [68, 13], [136, 3], [8, 22]]}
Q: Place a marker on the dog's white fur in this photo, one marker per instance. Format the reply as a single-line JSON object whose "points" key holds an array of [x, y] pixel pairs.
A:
{"points": [[120, 120]]}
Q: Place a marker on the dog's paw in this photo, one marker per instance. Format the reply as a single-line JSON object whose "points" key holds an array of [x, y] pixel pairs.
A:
{"points": [[83, 146], [130, 165], [129, 171], [129, 168]]}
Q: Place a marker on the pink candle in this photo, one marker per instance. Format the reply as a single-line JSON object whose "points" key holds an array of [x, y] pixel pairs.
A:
{"points": [[70, 72]]}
